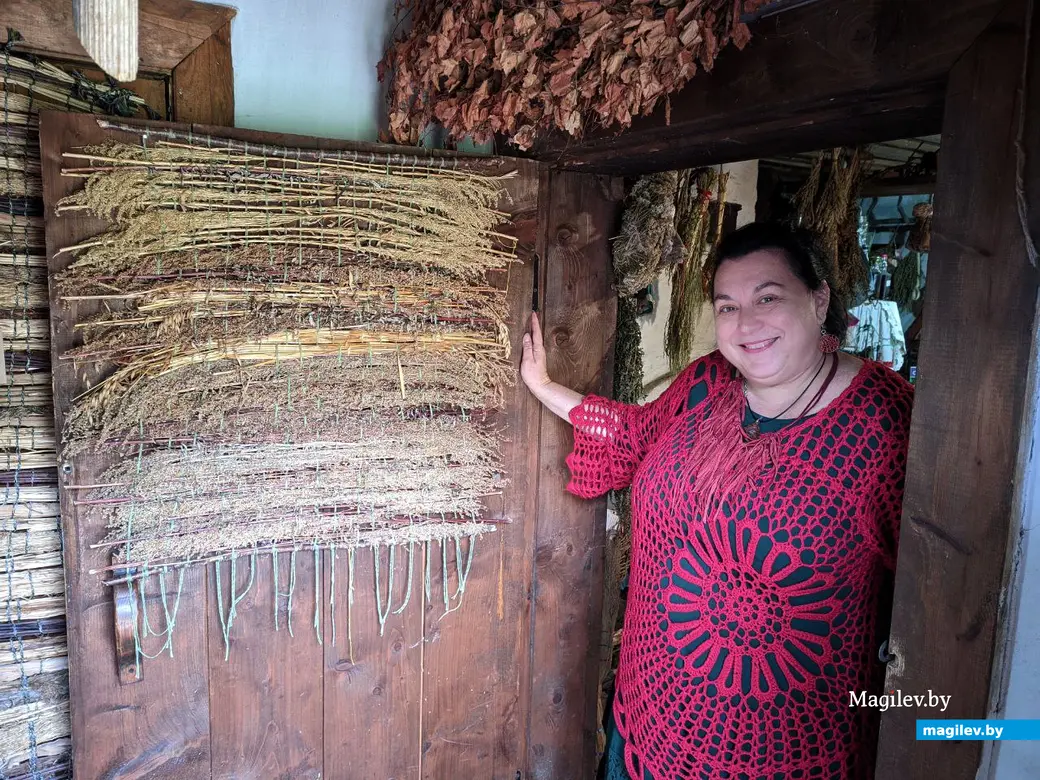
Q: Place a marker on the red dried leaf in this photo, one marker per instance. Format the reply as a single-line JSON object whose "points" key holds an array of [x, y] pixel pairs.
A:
{"points": [[508, 61], [524, 22]]}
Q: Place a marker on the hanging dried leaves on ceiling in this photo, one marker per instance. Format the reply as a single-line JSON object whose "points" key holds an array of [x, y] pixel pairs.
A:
{"points": [[521, 69]]}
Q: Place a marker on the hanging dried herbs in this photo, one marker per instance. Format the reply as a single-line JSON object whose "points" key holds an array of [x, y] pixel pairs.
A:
{"points": [[648, 241], [689, 293], [906, 280], [524, 68], [920, 239], [831, 208]]}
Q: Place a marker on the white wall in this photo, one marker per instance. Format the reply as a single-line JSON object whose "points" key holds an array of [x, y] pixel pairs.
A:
{"points": [[1019, 760], [309, 66]]}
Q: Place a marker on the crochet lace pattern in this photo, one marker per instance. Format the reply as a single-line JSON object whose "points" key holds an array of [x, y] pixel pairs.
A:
{"points": [[755, 574]]}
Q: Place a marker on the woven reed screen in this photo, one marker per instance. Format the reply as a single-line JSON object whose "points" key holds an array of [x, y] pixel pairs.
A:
{"points": [[34, 693]]}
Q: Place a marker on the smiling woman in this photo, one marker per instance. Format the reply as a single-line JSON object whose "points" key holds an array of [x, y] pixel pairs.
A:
{"points": [[767, 488]]}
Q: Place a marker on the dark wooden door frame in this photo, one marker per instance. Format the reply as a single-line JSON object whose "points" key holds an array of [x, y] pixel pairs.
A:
{"points": [[844, 72], [830, 73]]}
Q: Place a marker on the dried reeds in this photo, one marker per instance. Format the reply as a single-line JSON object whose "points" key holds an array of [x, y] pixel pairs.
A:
{"points": [[298, 350], [34, 717]]}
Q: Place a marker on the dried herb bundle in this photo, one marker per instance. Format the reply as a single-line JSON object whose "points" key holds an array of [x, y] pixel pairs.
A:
{"points": [[521, 68], [648, 241], [831, 209], [689, 293]]}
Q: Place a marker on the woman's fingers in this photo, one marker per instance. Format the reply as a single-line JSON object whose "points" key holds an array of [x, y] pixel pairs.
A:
{"points": [[536, 328]]}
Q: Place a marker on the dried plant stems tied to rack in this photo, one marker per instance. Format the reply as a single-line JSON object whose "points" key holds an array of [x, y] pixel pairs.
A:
{"points": [[297, 349]]}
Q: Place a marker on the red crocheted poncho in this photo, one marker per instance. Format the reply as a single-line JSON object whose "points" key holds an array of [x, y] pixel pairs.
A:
{"points": [[755, 574]]}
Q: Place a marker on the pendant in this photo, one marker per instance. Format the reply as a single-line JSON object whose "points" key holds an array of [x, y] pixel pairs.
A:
{"points": [[752, 430]]}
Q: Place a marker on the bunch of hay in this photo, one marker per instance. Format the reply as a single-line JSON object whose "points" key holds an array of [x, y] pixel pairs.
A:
{"points": [[298, 350]]}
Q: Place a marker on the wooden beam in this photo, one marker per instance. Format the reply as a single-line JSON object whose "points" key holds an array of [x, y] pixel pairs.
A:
{"points": [[774, 8], [826, 74], [980, 308], [880, 188], [170, 30]]}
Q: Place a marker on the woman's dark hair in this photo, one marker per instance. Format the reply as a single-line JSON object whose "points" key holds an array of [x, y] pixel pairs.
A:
{"points": [[805, 255]]}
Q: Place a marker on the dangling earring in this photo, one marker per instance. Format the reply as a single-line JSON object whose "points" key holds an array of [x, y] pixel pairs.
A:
{"points": [[828, 341]]}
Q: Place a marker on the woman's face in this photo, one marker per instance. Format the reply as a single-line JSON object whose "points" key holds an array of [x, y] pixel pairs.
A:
{"points": [[767, 321]]}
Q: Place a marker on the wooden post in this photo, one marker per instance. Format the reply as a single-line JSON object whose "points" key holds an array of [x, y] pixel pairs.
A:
{"points": [[579, 314], [968, 410]]}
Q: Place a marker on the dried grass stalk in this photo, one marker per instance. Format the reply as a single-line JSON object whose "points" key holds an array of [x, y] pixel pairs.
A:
{"points": [[31, 544], [174, 505], [32, 657], [31, 334], [10, 461], [32, 608], [50, 722], [21, 258], [32, 583]]}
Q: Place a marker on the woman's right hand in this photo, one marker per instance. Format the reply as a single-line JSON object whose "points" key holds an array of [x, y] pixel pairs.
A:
{"points": [[533, 365], [533, 370]]}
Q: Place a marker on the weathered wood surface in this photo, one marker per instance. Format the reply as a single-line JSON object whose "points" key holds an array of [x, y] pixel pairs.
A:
{"points": [[971, 390], [169, 29], [830, 73], [505, 683], [203, 84], [476, 692], [266, 704], [372, 682], [580, 309]]}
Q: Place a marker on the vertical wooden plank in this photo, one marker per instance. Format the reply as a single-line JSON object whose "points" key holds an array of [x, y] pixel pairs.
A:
{"points": [[266, 713], [158, 727], [974, 358], [204, 83], [580, 312], [475, 678], [372, 682]]}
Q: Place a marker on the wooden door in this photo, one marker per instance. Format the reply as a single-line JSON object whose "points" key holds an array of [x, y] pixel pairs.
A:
{"points": [[504, 687]]}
